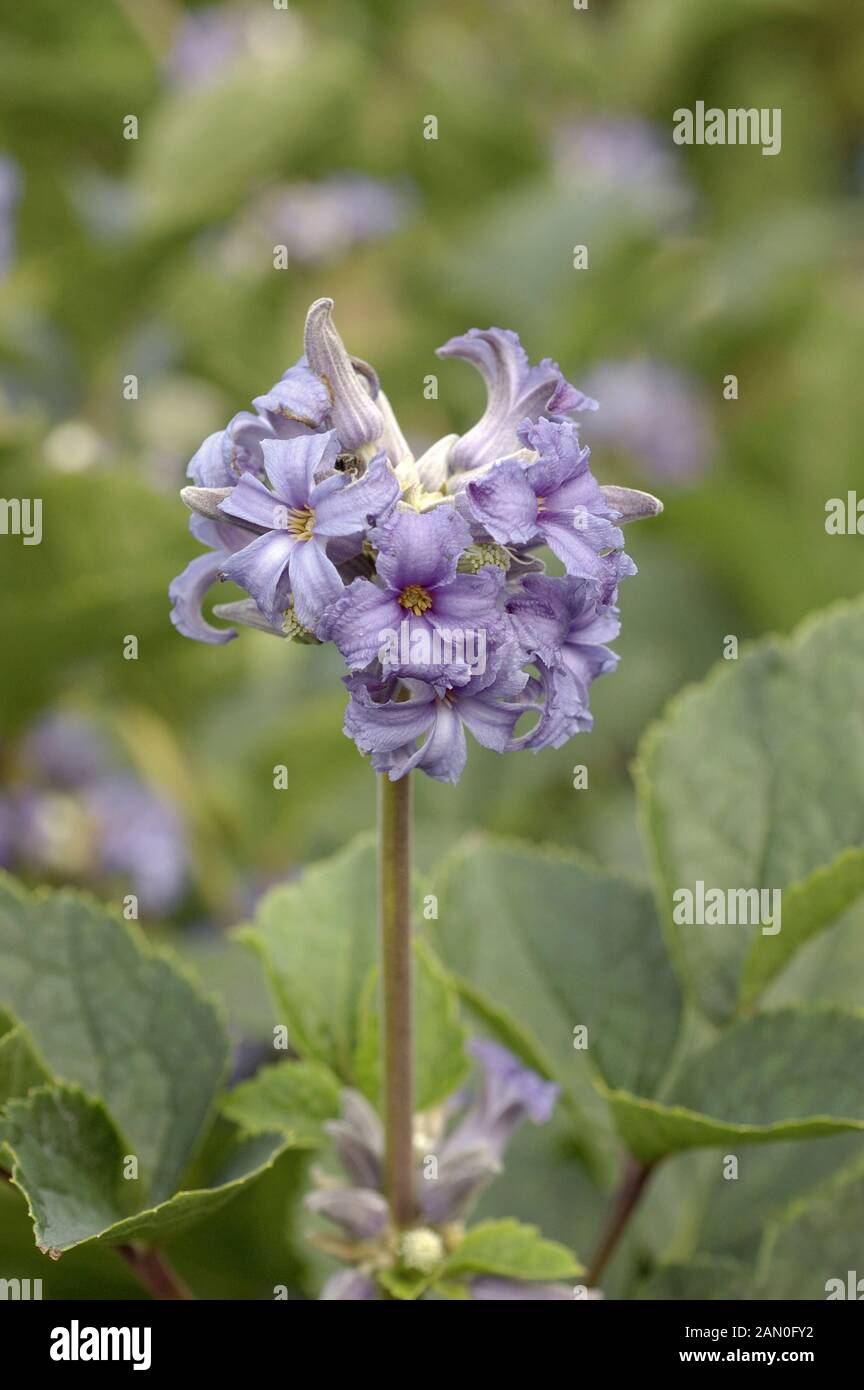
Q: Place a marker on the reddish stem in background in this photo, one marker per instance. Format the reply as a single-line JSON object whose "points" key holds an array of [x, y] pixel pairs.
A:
{"points": [[623, 1206]]}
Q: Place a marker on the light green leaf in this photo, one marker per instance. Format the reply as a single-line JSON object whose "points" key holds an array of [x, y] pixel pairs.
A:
{"points": [[703, 1278], [792, 1074], [541, 942], [258, 116], [440, 1063], [753, 780], [20, 1069], [318, 941], [109, 1014], [68, 1160], [291, 1098], [511, 1251], [812, 1250]]}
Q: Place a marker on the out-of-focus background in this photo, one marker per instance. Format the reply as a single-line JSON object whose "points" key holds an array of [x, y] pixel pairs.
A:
{"points": [[140, 308]]}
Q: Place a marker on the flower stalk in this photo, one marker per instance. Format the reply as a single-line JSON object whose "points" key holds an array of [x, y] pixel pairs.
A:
{"points": [[394, 896]]}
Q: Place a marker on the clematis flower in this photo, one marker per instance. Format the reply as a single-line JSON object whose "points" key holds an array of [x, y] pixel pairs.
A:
{"points": [[408, 616], [417, 569], [467, 1156], [563, 626], [388, 725], [307, 506], [552, 498]]}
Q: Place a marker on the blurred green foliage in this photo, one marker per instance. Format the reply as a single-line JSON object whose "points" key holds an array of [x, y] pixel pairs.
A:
{"points": [[117, 270]]}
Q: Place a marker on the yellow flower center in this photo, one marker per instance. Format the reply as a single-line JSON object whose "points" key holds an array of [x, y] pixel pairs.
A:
{"points": [[301, 522], [415, 599]]}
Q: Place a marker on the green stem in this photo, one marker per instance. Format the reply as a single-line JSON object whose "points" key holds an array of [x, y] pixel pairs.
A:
{"points": [[394, 896]]}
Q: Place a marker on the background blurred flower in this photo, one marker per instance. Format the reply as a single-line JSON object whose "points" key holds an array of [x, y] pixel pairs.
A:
{"points": [[10, 192], [624, 158], [71, 813], [655, 413], [316, 222]]}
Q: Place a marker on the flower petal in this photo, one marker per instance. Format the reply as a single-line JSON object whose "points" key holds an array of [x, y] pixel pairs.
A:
{"points": [[315, 581], [292, 464], [421, 548], [187, 593], [359, 620], [207, 467], [261, 568], [360, 1211], [299, 396], [504, 502], [515, 390], [354, 415], [349, 509], [253, 503]]}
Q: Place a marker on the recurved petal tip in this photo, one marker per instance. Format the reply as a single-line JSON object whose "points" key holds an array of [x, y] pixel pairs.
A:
{"points": [[632, 504], [354, 415], [205, 500], [247, 613]]}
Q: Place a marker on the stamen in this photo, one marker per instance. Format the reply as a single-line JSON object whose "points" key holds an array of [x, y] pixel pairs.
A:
{"points": [[415, 599], [301, 522]]}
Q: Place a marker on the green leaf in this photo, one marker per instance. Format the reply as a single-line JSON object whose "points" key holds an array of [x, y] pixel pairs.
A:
{"points": [[116, 1018], [440, 1062], [68, 1160], [792, 1074], [260, 116], [318, 941], [512, 1251], [20, 1068], [291, 1098], [541, 942], [703, 1278], [406, 1285], [812, 1250], [753, 780]]}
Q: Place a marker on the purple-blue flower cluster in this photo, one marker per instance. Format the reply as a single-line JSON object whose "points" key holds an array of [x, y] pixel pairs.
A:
{"points": [[459, 1150], [424, 573]]}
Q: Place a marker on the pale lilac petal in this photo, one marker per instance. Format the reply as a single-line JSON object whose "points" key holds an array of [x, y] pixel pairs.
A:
{"points": [[187, 593], [510, 1093], [354, 415], [384, 728], [252, 502], [491, 724], [421, 547], [218, 535], [292, 464], [471, 600], [360, 1211], [443, 754], [315, 581], [459, 1182], [490, 1288], [208, 467], [300, 396], [351, 509], [358, 1139], [349, 1285], [577, 546], [515, 390], [359, 620], [241, 443], [261, 568], [505, 503]]}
